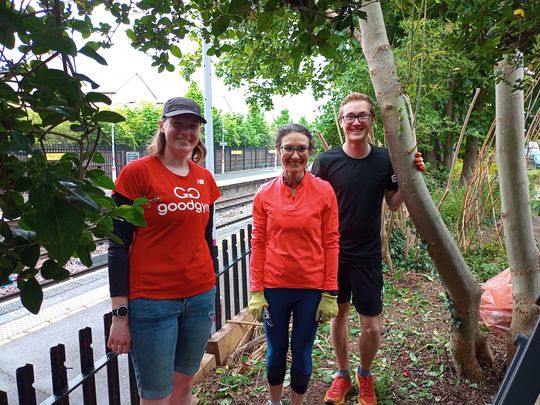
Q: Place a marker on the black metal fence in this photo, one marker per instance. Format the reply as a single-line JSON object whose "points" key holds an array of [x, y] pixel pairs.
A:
{"points": [[231, 297], [234, 159]]}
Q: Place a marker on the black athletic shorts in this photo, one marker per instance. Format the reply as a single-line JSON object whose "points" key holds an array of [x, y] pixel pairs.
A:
{"points": [[365, 284]]}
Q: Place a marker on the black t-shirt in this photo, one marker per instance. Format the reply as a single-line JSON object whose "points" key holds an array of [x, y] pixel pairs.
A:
{"points": [[359, 185]]}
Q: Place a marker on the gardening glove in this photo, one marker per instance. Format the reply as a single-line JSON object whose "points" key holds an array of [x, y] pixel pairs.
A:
{"points": [[419, 162], [256, 305], [327, 308]]}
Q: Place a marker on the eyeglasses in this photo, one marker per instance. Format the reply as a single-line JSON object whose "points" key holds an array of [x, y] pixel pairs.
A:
{"points": [[289, 150], [349, 118]]}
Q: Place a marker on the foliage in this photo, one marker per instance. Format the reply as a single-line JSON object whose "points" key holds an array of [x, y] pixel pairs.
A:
{"points": [[416, 259], [60, 206], [534, 181], [486, 260], [232, 129], [138, 128], [254, 130], [283, 118]]}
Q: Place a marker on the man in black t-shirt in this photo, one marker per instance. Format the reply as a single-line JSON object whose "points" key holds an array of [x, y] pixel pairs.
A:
{"points": [[361, 175]]}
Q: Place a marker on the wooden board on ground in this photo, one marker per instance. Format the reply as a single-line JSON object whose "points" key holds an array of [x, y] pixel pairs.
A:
{"points": [[208, 363], [226, 340]]}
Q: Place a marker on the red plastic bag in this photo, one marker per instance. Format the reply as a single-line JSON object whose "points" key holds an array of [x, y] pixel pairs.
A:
{"points": [[496, 302]]}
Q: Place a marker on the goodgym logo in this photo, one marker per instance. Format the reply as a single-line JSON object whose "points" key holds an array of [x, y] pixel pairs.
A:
{"points": [[188, 197]]}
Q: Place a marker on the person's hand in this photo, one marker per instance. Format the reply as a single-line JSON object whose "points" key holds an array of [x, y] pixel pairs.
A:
{"points": [[327, 308], [119, 336], [256, 305], [419, 162]]}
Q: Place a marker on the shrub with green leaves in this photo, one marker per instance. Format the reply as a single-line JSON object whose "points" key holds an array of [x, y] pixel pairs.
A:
{"points": [[55, 206]]}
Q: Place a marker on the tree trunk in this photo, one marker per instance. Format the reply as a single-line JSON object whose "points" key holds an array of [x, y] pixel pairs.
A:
{"points": [[432, 156], [469, 159], [515, 202], [469, 347]]}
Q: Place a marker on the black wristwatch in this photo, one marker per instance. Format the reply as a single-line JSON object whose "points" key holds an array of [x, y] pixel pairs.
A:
{"points": [[121, 312]]}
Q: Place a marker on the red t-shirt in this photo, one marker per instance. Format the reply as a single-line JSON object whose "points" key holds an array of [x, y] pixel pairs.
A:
{"points": [[169, 258]]}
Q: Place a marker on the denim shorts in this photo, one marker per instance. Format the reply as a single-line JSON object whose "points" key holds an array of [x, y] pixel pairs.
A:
{"points": [[167, 336]]}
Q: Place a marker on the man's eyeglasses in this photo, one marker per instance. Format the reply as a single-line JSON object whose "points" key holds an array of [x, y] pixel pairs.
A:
{"points": [[289, 150], [350, 118]]}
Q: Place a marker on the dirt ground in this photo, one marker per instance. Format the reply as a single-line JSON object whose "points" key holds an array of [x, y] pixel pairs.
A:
{"points": [[413, 364]]}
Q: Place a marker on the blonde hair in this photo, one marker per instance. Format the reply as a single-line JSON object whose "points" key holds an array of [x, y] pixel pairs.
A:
{"points": [[157, 147], [352, 97]]}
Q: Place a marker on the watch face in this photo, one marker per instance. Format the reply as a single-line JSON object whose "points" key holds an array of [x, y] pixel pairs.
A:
{"points": [[121, 311]]}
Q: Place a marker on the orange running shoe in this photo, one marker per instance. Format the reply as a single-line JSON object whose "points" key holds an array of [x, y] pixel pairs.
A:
{"points": [[366, 390], [338, 390]]}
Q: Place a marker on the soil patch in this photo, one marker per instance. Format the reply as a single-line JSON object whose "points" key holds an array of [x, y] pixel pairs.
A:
{"points": [[413, 365]]}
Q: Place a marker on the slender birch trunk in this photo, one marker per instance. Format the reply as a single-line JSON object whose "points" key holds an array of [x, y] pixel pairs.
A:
{"points": [[521, 248], [469, 346]]}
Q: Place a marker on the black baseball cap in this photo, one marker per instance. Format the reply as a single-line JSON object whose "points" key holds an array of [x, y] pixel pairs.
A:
{"points": [[181, 105]]}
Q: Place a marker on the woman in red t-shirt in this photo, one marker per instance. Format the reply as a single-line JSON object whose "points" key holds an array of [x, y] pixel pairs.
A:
{"points": [[162, 279], [294, 261]]}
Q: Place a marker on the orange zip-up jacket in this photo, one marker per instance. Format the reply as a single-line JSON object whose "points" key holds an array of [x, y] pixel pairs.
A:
{"points": [[295, 240]]}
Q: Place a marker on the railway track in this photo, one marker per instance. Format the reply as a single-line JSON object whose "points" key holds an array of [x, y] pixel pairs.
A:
{"points": [[234, 202]]}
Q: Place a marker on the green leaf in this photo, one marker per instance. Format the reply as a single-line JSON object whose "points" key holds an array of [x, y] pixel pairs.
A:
{"points": [[413, 357], [327, 50], [271, 5], [131, 34], [20, 142], [100, 179], [5, 230], [7, 92], [175, 50], [85, 78], [23, 234], [84, 254], [51, 270], [147, 4], [91, 53], [98, 158], [76, 195], [132, 214], [41, 197], [53, 39], [140, 201], [60, 229], [31, 294], [240, 7], [66, 111], [265, 21], [109, 116], [30, 255], [220, 25], [94, 97], [104, 201], [12, 204], [103, 229], [6, 265]]}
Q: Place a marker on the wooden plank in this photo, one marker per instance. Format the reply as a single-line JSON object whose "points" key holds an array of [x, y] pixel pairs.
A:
{"points": [[226, 340], [208, 363]]}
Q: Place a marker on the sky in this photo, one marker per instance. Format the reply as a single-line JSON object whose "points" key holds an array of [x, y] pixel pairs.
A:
{"points": [[130, 76]]}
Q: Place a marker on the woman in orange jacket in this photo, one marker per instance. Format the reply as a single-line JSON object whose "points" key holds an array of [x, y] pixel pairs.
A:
{"points": [[294, 261]]}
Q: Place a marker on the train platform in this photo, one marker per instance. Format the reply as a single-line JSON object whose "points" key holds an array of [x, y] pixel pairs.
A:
{"points": [[245, 176], [68, 307]]}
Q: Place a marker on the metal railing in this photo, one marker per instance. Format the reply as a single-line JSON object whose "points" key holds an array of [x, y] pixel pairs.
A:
{"points": [[232, 288]]}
